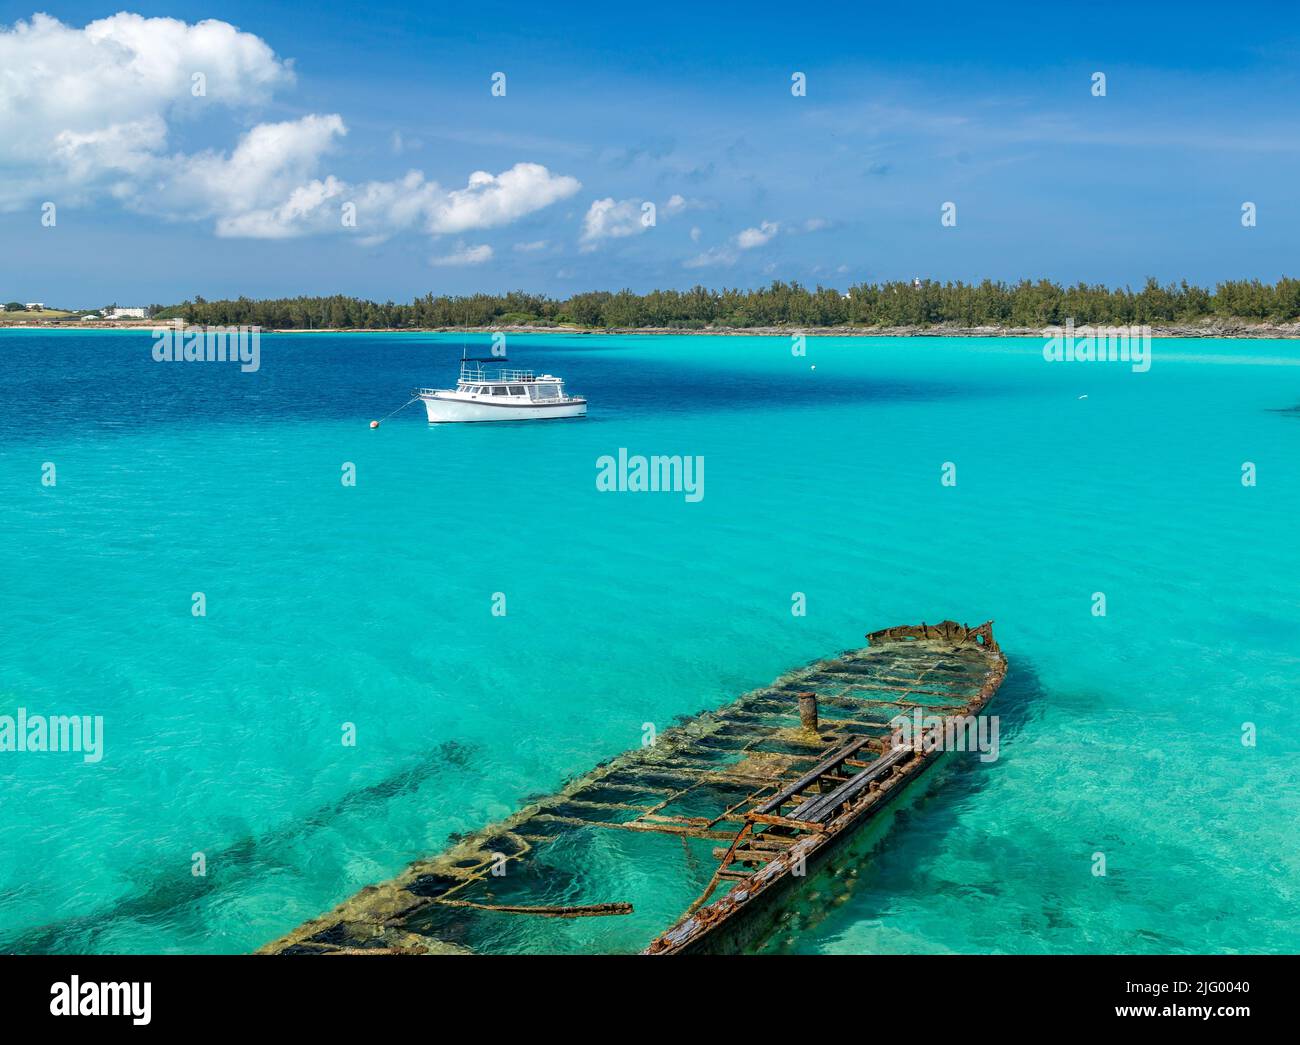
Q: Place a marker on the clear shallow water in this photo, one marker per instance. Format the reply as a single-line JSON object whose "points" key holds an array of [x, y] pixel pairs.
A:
{"points": [[372, 605]]}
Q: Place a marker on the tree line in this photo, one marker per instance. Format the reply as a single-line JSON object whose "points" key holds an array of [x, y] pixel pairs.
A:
{"points": [[925, 303]]}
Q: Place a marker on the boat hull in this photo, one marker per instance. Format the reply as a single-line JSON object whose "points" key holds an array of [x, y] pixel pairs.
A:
{"points": [[741, 933], [747, 914], [739, 775], [442, 410]]}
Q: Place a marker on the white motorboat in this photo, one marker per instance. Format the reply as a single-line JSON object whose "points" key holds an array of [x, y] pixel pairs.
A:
{"points": [[500, 394]]}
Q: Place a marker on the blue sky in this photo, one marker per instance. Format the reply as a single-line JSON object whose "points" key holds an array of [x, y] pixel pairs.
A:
{"points": [[161, 195]]}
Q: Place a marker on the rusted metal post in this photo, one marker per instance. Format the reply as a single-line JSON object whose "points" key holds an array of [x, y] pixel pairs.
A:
{"points": [[808, 710]]}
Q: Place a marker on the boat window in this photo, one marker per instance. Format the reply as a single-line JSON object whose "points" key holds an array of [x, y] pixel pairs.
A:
{"points": [[498, 390], [517, 390], [545, 390]]}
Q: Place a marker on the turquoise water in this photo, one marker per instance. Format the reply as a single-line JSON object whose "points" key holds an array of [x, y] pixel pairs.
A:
{"points": [[372, 605]]}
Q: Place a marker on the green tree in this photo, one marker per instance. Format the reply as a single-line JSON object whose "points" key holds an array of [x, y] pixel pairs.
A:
{"points": [[1032, 304]]}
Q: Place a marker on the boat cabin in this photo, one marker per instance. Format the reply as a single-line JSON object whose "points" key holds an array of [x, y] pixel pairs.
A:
{"points": [[541, 389], [519, 385]]}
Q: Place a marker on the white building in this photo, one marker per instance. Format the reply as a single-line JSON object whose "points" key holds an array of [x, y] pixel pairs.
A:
{"points": [[125, 313], [35, 306]]}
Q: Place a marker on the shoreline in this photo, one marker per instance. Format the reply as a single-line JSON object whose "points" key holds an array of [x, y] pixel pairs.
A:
{"points": [[1227, 330]]}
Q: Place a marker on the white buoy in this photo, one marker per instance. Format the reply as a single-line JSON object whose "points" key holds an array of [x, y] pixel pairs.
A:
{"points": [[374, 424]]}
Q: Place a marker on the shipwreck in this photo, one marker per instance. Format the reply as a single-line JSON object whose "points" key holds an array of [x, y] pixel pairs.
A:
{"points": [[725, 816]]}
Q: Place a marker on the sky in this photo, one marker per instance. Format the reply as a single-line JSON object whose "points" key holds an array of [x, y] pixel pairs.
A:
{"points": [[168, 150]]}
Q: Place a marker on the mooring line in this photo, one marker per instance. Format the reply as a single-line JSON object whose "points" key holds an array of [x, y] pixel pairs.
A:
{"points": [[376, 424]]}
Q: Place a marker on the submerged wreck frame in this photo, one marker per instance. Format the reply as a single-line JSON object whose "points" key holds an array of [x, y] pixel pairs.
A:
{"points": [[790, 772]]}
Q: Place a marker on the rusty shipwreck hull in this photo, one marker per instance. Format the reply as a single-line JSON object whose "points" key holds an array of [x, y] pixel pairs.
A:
{"points": [[788, 838], [748, 915], [779, 781]]}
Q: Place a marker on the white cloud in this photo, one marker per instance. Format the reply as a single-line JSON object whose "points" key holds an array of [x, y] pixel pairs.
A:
{"points": [[679, 204], [498, 199], [815, 224], [306, 203], [383, 208], [465, 256], [264, 188], [711, 258], [79, 108], [121, 148], [757, 237], [607, 219], [696, 233], [746, 239], [618, 219], [530, 248], [386, 207], [86, 113]]}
